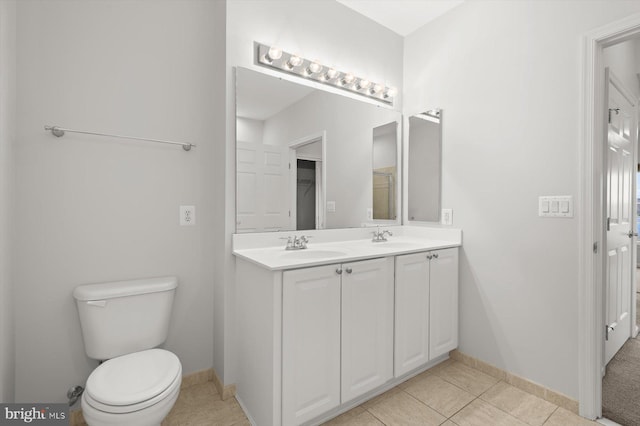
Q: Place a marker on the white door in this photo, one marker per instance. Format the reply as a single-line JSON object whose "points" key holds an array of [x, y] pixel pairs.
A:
{"points": [[443, 302], [620, 164], [411, 346], [262, 183], [310, 343], [367, 326]]}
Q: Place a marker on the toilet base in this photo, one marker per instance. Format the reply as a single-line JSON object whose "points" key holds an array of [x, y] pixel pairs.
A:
{"points": [[150, 416]]}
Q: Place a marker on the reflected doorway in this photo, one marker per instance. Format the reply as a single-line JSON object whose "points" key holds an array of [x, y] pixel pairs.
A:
{"points": [[307, 182]]}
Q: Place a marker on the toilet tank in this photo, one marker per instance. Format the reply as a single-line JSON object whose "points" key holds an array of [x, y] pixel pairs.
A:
{"points": [[122, 317]]}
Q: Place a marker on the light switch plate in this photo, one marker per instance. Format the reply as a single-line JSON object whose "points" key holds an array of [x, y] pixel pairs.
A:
{"points": [[555, 206], [447, 217], [331, 206], [369, 213]]}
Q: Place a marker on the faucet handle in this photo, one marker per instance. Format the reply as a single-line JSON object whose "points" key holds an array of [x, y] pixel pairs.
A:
{"points": [[289, 241]]}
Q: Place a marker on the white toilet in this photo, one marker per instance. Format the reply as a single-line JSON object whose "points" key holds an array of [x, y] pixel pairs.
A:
{"points": [[121, 323]]}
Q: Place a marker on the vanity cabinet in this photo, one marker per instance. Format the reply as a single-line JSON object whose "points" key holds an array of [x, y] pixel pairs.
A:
{"points": [[327, 361], [426, 307], [367, 326], [314, 341], [443, 302]]}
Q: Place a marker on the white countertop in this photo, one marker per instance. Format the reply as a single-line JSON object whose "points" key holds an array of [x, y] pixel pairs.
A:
{"points": [[275, 257]]}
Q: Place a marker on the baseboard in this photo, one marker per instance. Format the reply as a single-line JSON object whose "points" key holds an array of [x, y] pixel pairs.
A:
{"points": [[191, 379], [225, 392], [526, 385]]}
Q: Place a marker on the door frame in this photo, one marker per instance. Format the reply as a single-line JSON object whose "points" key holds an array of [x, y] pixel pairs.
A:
{"points": [[591, 229], [321, 195]]}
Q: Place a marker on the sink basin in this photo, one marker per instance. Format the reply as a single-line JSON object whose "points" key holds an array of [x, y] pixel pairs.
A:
{"points": [[408, 245], [313, 254]]}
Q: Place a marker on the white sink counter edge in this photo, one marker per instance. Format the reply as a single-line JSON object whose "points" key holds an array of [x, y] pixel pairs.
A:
{"points": [[340, 245]]}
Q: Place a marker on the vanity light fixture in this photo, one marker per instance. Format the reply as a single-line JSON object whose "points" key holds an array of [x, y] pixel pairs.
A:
{"points": [[273, 54], [313, 68], [276, 58], [331, 74]]}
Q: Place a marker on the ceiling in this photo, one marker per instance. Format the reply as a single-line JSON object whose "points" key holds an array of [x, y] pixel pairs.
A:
{"points": [[261, 96], [401, 16]]}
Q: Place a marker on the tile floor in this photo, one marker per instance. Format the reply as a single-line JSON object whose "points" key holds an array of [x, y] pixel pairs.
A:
{"points": [[450, 394]]}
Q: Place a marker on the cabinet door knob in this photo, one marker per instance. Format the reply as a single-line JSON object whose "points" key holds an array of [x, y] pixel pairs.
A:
{"points": [[339, 271], [429, 256], [435, 255], [349, 270]]}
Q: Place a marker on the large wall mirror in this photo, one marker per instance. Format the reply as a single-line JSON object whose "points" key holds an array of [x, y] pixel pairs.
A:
{"points": [[424, 166], [311, 159]]}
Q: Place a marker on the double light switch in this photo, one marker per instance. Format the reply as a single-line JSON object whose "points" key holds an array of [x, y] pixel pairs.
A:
{"points": [[555, 206]]}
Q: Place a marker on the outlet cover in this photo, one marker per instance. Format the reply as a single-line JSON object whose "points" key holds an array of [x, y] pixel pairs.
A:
{"points": [[447, 217], [331, 206], [187, 215], [369, 213]]}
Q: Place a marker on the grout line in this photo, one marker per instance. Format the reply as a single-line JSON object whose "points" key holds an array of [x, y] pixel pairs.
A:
{"points": [[465, 406], [550, 415]]}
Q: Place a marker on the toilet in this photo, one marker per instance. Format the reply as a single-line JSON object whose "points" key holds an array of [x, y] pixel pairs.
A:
{"points": [[122, 323]]}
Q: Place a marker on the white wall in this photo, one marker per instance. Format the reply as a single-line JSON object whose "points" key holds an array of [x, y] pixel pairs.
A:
{"points": [[95, 209], [325, 30], [7, 140], [507, 75]]}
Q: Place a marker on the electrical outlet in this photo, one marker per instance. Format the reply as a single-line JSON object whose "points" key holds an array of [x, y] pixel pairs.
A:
{"points": [[187, 215], [447, 217], [369, 213], [331, 206]]}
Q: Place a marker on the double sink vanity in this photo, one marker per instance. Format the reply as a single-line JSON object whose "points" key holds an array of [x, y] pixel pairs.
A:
{"points": [[322, 329], [331, 311]]}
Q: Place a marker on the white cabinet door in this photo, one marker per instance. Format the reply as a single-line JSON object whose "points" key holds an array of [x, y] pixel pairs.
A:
{"points": [[411, 313], [367, 326], [443, 303], [310, 343]]}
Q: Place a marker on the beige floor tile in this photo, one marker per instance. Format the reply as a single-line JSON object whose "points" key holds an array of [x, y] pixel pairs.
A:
{"points": [[356, 417], [480, 413], [448, 423], [522, 405], [201, 405], [562, 417], [466, 378], [403, 385], [403, 410], [381, 397], [438, 394]]}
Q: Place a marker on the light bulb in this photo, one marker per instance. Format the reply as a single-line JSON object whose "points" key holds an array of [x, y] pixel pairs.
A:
{"points": [[347, 78], [391, 92], [273, 54], [377, 88], [294, 61], [331, 74], [314, 67], [363, 84]]}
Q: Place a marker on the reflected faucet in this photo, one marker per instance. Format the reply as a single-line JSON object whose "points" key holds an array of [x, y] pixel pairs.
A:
{"points": [[379, 236]]}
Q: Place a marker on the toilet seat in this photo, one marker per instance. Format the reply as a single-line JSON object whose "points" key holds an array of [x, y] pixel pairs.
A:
{"points": [[134, 381]]}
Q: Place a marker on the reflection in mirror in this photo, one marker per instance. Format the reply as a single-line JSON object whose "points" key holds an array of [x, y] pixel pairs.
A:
{"points": [[384, 171], [424, 166], [304, 156]]}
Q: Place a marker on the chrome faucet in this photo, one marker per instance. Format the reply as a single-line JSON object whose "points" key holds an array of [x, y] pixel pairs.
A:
{"points": [[379, 236], [296, 243]]}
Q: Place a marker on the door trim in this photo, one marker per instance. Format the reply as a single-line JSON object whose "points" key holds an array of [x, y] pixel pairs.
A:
{"points": [[591, 221]]}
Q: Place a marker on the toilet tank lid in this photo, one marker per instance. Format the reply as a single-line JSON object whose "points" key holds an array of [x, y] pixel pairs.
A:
{"points": [[115, 289]]}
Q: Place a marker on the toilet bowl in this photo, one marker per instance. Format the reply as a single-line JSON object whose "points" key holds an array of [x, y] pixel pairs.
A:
{"points": [[137, 389]]}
